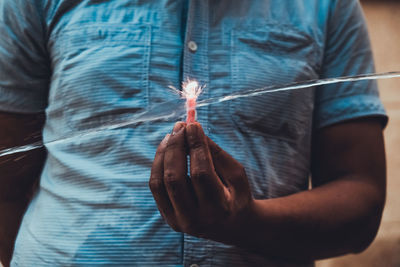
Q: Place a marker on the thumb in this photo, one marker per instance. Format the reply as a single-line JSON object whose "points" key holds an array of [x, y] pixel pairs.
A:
{"points": [[228, 169]]}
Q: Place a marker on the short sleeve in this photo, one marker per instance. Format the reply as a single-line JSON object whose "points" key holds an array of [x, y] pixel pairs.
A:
{"points": [[347, 52], [24, 67]]}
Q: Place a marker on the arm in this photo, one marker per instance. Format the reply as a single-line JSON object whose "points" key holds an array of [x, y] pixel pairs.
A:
{"points": [[19, 174], [341, 214]]}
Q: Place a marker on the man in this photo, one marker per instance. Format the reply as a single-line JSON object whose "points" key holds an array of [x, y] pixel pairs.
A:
{"points": [[246, 203]]}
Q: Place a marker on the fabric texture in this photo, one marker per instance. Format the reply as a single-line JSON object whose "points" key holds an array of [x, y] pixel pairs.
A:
{"points": [[87, 62]]}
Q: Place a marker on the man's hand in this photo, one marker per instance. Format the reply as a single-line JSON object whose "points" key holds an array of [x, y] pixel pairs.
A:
{"points": [[340, 215], [215, 200]]}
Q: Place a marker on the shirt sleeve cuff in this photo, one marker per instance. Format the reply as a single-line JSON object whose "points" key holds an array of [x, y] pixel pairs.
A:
{"points": [[26, 102], [349, 108]]}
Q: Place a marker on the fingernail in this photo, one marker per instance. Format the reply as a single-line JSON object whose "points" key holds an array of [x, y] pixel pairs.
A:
{"points": [[178, 127], [166, 138]]}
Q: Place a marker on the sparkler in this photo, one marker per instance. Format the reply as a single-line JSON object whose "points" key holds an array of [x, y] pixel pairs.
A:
{"points": [[190, 91]]}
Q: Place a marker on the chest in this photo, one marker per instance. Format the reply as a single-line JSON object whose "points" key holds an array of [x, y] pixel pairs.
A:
{"points": [[117, 58]]}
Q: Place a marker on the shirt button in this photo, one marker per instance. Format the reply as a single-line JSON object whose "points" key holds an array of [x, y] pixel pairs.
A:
{"points": [[193, 48], [194, 265]]}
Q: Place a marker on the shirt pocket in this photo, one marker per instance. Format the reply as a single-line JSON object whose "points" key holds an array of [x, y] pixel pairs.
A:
{"points": [[102, 73], [266, 56]]}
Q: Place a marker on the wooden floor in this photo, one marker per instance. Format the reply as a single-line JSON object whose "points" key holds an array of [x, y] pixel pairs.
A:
{"points": [[384, 25]]}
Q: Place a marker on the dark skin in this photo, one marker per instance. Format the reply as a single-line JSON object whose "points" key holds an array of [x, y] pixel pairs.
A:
{"points": [[340, 215], [19, 174]]}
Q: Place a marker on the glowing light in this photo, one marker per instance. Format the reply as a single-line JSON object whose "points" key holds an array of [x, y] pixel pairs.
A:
{"points": [[190, 91]]}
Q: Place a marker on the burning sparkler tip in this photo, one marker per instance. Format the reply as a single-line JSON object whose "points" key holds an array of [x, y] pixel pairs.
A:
{"points": [[190, 91]]}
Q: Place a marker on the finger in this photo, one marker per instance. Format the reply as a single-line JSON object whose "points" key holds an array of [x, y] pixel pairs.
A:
{"points": [[207, 185], [228, 169], [175, 174], [156, 183]]}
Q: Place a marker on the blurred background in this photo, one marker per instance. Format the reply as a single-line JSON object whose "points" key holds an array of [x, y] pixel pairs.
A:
{"points": [[383, 18]]}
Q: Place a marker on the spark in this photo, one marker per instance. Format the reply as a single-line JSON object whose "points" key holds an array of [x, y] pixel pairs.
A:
{"points": [[190, 91]]}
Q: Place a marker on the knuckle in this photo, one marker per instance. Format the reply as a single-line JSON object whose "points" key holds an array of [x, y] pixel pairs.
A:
{"points": [[199, 175], [155, 184], [172, 143], [194, 142], [171, 179], [175, 143]]}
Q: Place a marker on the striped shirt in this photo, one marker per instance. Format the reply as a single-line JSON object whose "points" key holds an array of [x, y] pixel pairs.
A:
{"points": [[87, 62]]}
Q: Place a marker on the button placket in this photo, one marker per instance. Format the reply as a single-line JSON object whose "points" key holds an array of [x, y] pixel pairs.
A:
{"points": [[195, 66]]}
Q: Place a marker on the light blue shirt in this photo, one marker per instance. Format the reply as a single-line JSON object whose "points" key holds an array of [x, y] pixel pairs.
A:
{"points": [[87, 62]]}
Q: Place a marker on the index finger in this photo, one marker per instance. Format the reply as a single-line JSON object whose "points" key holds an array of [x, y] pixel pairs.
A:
{"points": [[156, 182], [175, 173]]}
